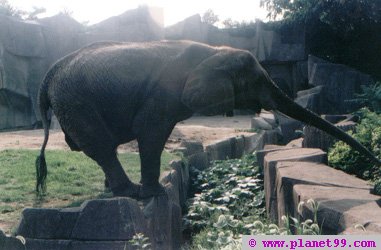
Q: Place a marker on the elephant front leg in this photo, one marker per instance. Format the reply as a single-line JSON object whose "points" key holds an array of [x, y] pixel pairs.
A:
{"points": [[151, 145], [150, 153]]}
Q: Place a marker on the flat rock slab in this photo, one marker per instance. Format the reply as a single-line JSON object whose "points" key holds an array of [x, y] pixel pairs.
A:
{"points": [[344, 200], [108, 223], [270, 162], [104, 219]]}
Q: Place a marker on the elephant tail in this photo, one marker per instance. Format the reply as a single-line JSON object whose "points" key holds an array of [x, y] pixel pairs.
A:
{"points": [[41, 169], [288, 107]]}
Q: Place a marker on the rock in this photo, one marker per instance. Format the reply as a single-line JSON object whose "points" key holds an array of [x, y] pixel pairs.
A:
{"points": [[183, 171], [340, 82], [254, 142], [109, 219], [315, 138], [237, 147], [344, 200], [271, 160], [137, 25], [230, 148], [200, 161], [265, 150], [62, 35], [28, 48], [192, 28], [22, 66], [269, 118], [10, 243], [297, 143], [163, 219], [48, 223], [191, 147], [260, 123], [105, 223], [313, 99], [219, 151], [288, 126]]}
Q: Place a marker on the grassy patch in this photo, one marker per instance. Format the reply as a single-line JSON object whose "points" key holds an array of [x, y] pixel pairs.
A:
{"points": [[72, 178]]}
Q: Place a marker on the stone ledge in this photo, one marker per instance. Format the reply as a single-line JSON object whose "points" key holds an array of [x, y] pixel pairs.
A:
{"points": [[270, 171], [110, 223], [294, 175]]}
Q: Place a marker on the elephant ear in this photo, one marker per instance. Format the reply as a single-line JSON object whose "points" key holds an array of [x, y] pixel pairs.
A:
{"points": [[209, 88]]}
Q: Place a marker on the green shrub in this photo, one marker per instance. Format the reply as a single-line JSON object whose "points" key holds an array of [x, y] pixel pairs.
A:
{"points": [[370, 97], [229, 203], [368, 133], [377, 187]]}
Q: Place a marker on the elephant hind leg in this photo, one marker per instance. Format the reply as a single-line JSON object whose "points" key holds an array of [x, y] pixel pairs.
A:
{"points": [[71, 143], [87, 132], [116, 178]]}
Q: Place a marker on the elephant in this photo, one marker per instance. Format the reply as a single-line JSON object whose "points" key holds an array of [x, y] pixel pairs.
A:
{"points": [[109, 93]]}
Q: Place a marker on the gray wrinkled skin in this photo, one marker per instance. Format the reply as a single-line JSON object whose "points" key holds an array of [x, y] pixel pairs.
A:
{"points": [[110, 93]]}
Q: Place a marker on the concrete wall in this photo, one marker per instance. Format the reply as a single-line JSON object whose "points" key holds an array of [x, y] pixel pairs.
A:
{"points": [[293, 175], [27, 49]]}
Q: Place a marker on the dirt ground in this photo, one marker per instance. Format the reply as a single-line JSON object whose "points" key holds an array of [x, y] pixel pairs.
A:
{"points": [[205, 129]]}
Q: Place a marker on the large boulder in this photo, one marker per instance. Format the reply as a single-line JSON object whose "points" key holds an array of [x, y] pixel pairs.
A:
{"points": [[62, 35], [22, 66], [340, 82], [28, 48], [191, 28], [314, 99], [138, 25]]}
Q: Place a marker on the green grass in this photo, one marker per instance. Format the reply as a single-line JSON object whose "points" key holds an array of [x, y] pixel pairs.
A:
{"points": [[72, 178]]}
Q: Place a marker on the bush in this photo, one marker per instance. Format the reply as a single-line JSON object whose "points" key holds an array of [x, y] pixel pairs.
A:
{"points": [[368, 133], [229, 203]]}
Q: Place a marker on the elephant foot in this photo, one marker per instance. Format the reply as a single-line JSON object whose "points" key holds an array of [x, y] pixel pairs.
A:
{"points": [[131, 190], [148, 191]]}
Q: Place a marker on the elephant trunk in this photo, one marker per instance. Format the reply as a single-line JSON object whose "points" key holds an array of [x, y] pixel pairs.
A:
{"points": [[288, 107]]}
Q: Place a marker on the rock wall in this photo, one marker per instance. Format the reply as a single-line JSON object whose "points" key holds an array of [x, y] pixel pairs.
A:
{"points": [[333, 86], [28, 48], [22, 66], [293, 175]]}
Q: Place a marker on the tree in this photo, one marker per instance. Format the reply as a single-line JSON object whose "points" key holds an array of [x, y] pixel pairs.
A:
{"points": [[343, 15], [342, 31], [210, 17], [8, 10], [229, 23], [35, 12]]}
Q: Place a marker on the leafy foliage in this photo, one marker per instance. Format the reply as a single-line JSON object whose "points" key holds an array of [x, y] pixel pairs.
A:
{"points": [[139, 241], [371, 97], [343, 31], [229, 203], [210, 17], [368, 133], [377, 187], [8, 10], [340, 14]]}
